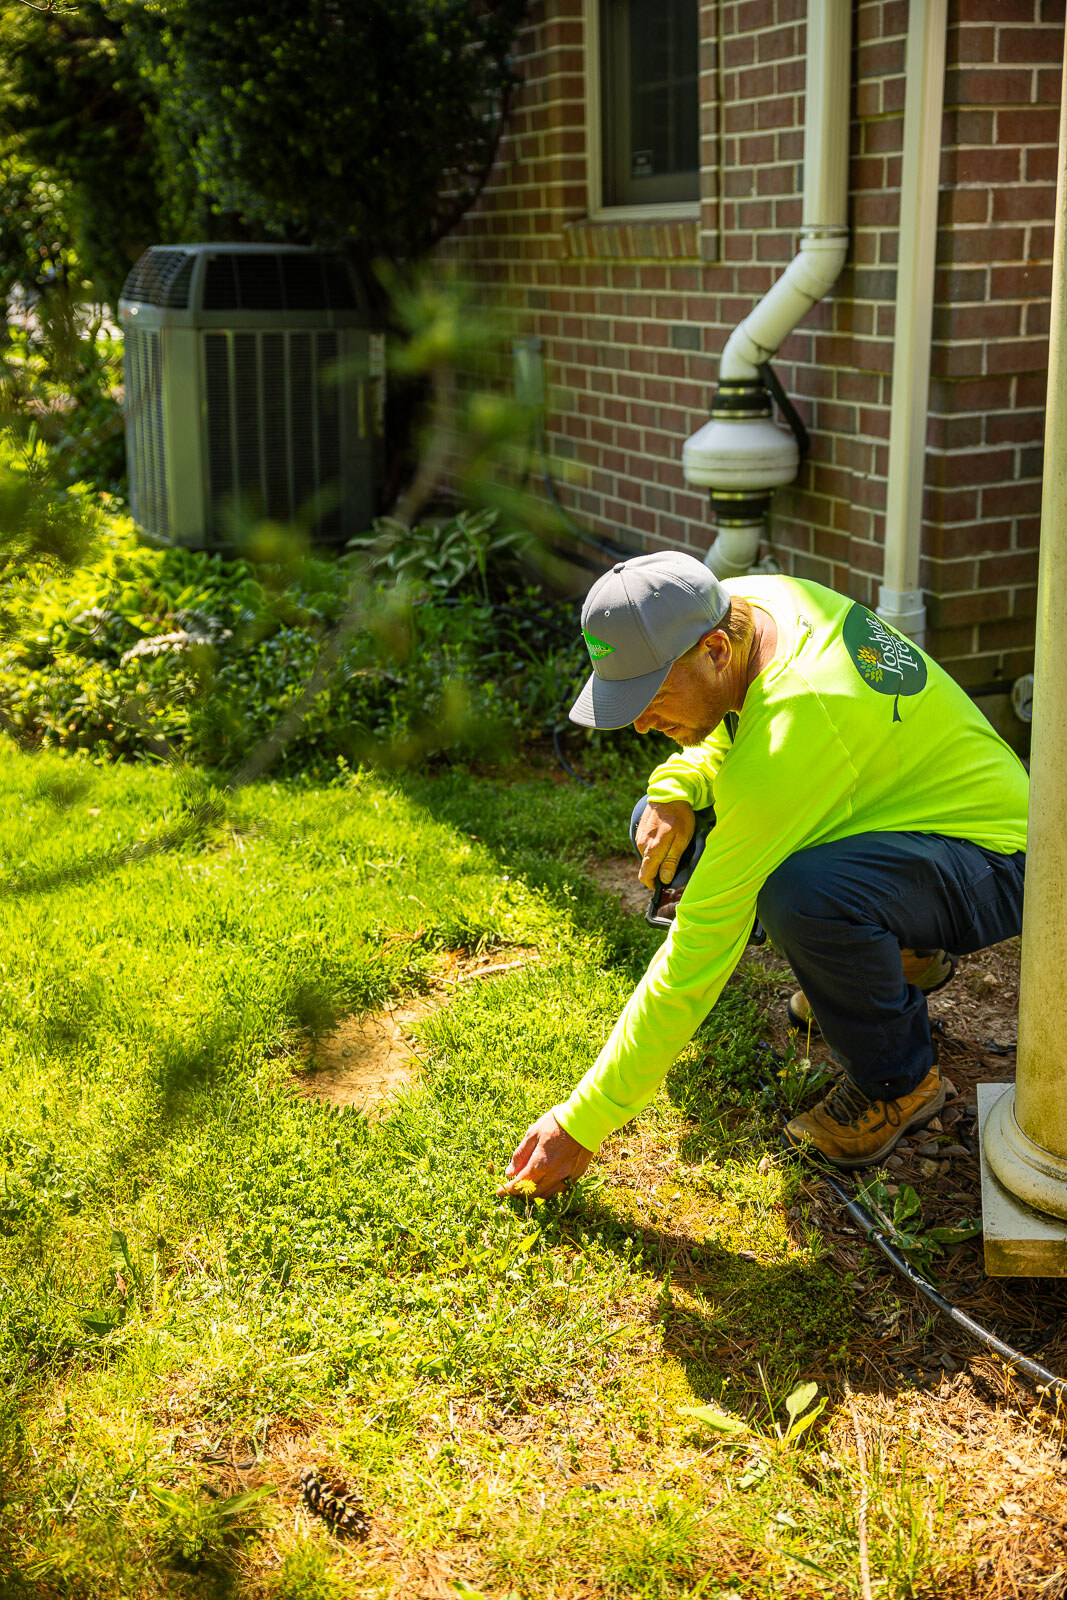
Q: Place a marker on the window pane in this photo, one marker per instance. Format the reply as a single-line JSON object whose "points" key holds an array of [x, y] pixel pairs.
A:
{"points": [[650, 129]]}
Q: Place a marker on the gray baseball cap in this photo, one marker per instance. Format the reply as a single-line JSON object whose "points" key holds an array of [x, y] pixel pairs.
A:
{"points": [[637, 620]]}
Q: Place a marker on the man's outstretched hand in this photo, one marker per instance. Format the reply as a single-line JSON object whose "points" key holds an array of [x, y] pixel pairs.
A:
{"points": [[546, 1156]]}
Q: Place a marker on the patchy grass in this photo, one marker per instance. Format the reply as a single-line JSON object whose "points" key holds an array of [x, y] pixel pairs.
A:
{"points": [[210, 1279]]}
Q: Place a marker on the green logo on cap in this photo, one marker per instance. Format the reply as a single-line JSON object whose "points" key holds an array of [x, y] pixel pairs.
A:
{"points": [[888, 663], [596, 647]]}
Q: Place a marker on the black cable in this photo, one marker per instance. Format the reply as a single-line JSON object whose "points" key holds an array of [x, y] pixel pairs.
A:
{"points": [[1043, 1380], [613, 552], [1040, 1376], [789, 411]]}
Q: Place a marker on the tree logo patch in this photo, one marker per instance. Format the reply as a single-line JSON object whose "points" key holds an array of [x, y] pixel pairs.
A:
{"points": [[887, 662], [596, 647]]}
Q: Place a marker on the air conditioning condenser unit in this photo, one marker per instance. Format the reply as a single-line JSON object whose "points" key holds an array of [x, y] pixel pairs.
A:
{"points": [[255, 388]]}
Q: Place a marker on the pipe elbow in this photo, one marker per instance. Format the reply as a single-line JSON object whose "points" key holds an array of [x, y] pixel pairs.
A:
{"points": [[817, 264], [812, 272]]}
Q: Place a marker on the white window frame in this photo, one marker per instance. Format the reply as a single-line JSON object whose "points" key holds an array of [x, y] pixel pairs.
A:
{"points": [[664, 211]]}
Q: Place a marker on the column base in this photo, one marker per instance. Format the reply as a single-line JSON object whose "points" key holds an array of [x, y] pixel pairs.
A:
{"points": [[1020, 1240]]}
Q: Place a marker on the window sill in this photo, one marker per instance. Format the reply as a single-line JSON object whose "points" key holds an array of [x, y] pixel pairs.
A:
{"points": [[653, 233], [675, 211]]}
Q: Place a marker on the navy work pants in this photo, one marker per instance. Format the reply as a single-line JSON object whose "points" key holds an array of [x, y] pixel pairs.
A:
{"points": [[839, 913]]}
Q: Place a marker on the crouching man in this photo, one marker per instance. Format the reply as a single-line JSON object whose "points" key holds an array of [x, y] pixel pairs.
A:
{"points": [[863, 808]]}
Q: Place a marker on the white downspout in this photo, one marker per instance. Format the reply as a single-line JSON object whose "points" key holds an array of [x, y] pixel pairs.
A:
{"points": [[900, 599], [741, 454]]}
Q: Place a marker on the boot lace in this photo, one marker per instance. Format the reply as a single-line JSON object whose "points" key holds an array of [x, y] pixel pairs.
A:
{"points": [[847, 1104]]}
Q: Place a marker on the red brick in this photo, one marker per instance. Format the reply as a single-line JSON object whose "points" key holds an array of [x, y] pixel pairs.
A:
{"points": [[1026, 203], [973, 127], [982, 166], [1038, 319], [958, 360], [1011, 499], [1040, 242], [885, 136], [1017, 355], [967, 539], [947, 577], [954, 433], [1041, 164], [997, 321], [1030, 389], [1020, 567], [977, 86], [949, 505], [954, 611], [868, 99], [1030, 45], [1049, 85], [880, 58], [1005, 634], [958, 206], [971, 44], [893, 94], [1034, 125], [1020, 282], [981, 244], [1015, 427]]}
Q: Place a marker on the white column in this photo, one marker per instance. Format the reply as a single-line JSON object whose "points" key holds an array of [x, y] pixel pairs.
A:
{"points": [[1026, 1131]]}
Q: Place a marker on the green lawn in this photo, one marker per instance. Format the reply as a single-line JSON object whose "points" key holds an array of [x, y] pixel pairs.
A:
{"points": [[209, 1280]]}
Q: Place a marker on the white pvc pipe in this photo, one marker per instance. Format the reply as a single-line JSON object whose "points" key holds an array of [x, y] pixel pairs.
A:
{"points": [[824, 234], [734, 549], [824, 231], [812, 271], [900, 599]]}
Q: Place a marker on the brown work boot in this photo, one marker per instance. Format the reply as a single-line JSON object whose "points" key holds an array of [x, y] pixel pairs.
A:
{"points": [[928, 970], [849, 1130]]}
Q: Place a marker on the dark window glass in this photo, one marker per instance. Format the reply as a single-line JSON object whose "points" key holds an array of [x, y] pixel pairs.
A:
{"points": [[650, 125]]}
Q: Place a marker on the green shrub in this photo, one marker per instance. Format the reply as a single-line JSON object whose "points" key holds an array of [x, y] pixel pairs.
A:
{"points": [[146, 651]]}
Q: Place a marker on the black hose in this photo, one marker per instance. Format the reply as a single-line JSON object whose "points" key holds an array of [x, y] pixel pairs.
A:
{"points": [[1043, 1380]]}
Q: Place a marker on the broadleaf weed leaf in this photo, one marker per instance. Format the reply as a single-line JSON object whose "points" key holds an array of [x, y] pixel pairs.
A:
{"points": [[800, 1399], [717, 1421]]}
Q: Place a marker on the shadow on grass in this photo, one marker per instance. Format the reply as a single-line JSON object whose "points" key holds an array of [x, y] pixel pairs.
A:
{"points": [[721, 1314], [542, 832]]}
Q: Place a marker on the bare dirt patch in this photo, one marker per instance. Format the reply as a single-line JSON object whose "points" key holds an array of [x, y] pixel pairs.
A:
{"points": [[368, 1060], [617, 875]]}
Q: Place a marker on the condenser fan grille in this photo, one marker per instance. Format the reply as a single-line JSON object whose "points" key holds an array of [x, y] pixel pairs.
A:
{"points": [[161, 278], [277, 282], [144, 429], [274, 426], [255, 389]]}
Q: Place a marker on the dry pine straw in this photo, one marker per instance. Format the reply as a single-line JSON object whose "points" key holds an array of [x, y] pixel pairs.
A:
{"points": [[917, 1381]]}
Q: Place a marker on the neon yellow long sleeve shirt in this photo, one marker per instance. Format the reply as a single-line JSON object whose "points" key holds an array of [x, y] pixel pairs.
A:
{"points": [[850, 729]]}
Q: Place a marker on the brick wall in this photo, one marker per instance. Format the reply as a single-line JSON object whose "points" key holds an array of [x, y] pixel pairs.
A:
{"points": [[633, 315]]}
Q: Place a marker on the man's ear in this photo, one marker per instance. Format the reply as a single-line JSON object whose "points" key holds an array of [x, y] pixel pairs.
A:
{"points": [[718, 647]]}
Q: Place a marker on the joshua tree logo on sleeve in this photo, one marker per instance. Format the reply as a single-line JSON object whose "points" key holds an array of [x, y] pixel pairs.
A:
{"points": [[886, 662]]}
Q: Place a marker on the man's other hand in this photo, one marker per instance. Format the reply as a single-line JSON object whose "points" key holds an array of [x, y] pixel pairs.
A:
{"points": [[548, 1157], [662, 834]]}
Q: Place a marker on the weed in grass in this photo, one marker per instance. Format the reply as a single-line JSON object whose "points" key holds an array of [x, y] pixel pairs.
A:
{"points": [[306, 1574], [901, 1217]]}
